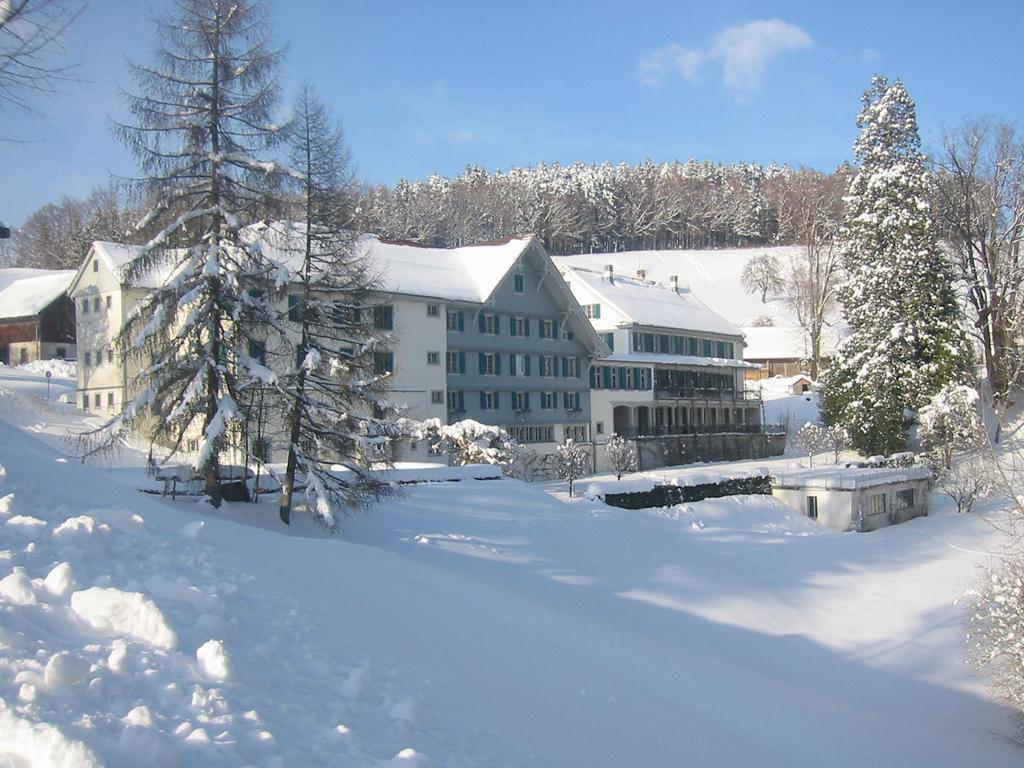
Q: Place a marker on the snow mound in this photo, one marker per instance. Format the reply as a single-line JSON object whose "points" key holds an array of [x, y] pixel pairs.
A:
{"points": [[24, 743], [756, 514], [61, 369], [17, 588], [213, 661], [109, 609], [60, 580]]}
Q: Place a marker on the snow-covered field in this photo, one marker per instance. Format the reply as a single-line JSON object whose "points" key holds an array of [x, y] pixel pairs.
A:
{"points": [[472, 623]]}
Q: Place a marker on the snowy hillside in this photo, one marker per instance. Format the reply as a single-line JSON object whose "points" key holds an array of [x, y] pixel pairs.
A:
{"points": [[474, 623]]}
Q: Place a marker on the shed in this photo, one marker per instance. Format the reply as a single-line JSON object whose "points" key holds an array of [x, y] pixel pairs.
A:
{"points": [[855, 498]]}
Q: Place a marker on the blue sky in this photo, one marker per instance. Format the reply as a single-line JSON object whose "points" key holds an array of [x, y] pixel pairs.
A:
{"points": [[428, 87]]}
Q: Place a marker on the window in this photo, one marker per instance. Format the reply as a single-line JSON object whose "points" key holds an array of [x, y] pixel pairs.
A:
{"points": [[96, 400], [294, 307], [571, 367], [110, 400], [110, 355], [62, 352], [593, 311], [436, 396], [519, 326], [490, 364], [258, 351], [85, 402], [599, 427], [548, 329], [85, 306], [576, 432], [489, 324], [566, 333], [383, 363], [95, 303], [455, 362], [519, 365], [519, 283], [456, 321], [571, 400], [904, 499], [108, 302], [520, 401], [812, 507], [193, 444], [433, 310], [489, 401], [875, 504], [532, 434], [384, 317], [433, 358], [456, 402], [547, 400], [88, 359], [609, 339], [547, 365], [95, 265]]}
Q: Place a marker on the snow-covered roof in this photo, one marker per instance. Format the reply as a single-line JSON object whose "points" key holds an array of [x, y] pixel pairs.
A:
{"points": [[645, 302], [657, 358], [118, 258], [847, 478], [9, 274], [29, 296], [774, 343]]}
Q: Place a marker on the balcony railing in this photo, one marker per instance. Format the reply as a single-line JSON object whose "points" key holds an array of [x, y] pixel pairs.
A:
{"points": [[702, 429], [695, 393]]}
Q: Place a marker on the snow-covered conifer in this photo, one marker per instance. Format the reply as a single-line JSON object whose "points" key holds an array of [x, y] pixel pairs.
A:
{"points": [[202, 123], [620, 455], [906, 333], [332, 390], [573, 462]]}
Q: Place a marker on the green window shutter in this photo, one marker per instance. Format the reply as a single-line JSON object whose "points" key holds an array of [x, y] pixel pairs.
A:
{"points": [[511, 326], [462, 401], [497, 364], [636, 378], [462, 320], [526, 326], [497, 324], [526, 400], [483, 401], [462, 362], [554, 329], [483, 363], [565, 367], [526, 367], [497, 401], [481, 325], [512, 364], [597, 311]]}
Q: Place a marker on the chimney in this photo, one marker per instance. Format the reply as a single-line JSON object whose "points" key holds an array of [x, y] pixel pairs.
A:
{"points": [[673, 283], [609, 273], [642, 274]]}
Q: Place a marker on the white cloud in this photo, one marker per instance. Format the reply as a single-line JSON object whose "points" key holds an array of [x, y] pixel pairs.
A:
{"points": [[870, 56], [743, 51]]}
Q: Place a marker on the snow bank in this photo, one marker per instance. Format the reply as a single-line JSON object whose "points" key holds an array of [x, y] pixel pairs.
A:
{"points": [[24, 743], [109, 609], [61, 369]]}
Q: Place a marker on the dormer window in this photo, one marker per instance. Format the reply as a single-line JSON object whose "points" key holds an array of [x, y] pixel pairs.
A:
{"points": [[519, 282]]}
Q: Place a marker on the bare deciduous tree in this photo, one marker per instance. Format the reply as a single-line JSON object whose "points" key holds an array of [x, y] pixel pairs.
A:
{"points": [[30, 35], [761, 275], [980, 206]]}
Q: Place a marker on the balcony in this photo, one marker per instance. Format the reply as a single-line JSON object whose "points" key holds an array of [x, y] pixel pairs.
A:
{"points": [[695, 393], [702, 429]]}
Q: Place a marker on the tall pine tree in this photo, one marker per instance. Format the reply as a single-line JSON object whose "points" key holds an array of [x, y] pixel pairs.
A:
{"points": [[333, 411], [906, 330], [202, 125]]}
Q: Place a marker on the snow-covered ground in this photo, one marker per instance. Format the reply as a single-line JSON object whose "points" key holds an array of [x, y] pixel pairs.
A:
{"points": [[472, 623]]}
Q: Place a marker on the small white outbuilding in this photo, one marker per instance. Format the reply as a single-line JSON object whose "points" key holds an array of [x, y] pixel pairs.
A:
{"points": [[855, 498]]}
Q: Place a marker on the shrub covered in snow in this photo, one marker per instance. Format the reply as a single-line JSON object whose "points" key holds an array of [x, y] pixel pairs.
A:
{"points": [[950, 423], [837, 440], [621, 456], [997, 629], [469, 441], [810, 439], [968, 480], [573, 462]]}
